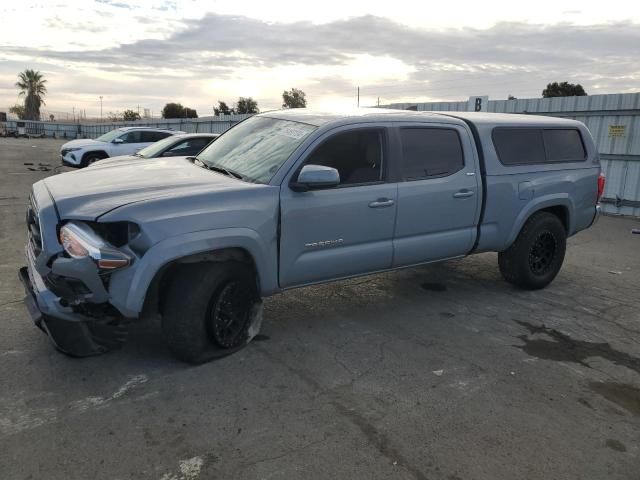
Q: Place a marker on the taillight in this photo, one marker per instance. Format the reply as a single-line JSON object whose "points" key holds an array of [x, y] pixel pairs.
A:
{"points": [[601, 181]]}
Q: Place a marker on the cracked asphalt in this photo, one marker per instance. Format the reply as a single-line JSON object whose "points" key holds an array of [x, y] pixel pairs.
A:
{"points": [[437, 372]]}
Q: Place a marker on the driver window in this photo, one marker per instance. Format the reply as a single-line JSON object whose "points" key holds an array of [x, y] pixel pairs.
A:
{"points": [[357, 155]]}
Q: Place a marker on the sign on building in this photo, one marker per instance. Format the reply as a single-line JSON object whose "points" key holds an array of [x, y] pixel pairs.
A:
{"points": [[478, 104], [617, 130]]}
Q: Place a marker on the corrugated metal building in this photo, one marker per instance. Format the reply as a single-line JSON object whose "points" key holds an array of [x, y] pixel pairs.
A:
{"points": [[614, 122]]}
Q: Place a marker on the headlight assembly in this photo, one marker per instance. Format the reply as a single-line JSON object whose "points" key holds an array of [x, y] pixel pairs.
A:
{"points": [[79, 240]]}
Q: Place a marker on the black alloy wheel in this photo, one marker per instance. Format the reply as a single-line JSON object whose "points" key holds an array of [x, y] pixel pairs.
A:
{"points": [[229, 313], [542, 253]]}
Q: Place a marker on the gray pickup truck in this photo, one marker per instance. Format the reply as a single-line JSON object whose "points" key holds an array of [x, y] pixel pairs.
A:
{"points": [[293, 198]]}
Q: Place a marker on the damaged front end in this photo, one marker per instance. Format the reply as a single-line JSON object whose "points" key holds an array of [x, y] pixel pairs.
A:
{"points": [[67, 280]]}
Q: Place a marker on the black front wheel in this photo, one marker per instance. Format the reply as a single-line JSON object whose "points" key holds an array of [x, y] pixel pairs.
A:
{"points": [[210, 310], [229, 314], [91, 158], [535, 258]]}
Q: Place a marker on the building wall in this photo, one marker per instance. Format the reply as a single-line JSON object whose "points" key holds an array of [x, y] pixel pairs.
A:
{"points": [[614, 123]]}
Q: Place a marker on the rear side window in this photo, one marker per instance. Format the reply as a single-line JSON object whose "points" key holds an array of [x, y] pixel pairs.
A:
{"points": [[563, 145], [430, 152], [517, 146], [188, 147], [197, 144], [132, 137], [522, 146]]}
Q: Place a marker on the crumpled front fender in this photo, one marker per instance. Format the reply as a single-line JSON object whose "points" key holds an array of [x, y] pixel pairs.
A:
{"points": [[129, 286]]}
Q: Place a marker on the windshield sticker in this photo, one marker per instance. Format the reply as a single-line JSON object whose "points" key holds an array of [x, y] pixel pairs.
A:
{"points": [[295, 131]]}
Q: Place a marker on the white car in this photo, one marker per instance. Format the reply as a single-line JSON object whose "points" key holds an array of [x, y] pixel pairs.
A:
{"points": [[121, 141], [180, 145]]}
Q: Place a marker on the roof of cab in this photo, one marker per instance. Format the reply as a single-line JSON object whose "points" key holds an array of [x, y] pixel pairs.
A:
{"points": [[319, 117]]}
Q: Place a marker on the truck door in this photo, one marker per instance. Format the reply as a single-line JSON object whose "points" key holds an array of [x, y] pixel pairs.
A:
{"points": [[345, 230], [439, 197]]}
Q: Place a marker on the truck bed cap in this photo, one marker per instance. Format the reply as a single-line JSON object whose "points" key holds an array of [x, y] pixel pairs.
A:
{"points": [[513, 119]]}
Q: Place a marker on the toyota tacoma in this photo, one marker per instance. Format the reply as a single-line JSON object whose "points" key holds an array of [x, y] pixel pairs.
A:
{"points": [[293, 198]]}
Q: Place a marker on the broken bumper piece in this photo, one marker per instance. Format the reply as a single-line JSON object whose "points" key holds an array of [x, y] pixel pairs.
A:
{"points": [[71, 332]]}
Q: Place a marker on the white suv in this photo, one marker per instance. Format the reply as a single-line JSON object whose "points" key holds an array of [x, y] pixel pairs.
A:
{"points": [[121, 141]]}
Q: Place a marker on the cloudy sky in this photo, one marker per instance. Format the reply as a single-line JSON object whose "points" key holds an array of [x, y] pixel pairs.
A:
{"points": [[196, 52]]}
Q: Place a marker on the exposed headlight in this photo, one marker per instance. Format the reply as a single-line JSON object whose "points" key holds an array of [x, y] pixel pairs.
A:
{"points": [[79, 240], [64, 151]]}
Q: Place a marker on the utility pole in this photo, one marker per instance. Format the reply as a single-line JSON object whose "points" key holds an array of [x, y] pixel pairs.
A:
{"points": [[100, 108], [378, 101], [358, 97]]}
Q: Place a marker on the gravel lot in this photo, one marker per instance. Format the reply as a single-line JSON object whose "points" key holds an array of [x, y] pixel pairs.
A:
{"points": [[438, 372]]}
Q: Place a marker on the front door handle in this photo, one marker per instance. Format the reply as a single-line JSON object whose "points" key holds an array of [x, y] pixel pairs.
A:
{"points": [[463, 194], [381, 203]]}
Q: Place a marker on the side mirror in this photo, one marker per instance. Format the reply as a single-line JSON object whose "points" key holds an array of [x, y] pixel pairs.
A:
{"points": [[117, 140], [316, 176]]}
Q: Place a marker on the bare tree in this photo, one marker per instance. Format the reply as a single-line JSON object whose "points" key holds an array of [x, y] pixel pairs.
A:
{"points": [[246, 105], [294, 98]]}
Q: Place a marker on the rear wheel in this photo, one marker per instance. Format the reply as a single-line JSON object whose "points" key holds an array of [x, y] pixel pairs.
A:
{"points": [[211, 310], [535, 258]]}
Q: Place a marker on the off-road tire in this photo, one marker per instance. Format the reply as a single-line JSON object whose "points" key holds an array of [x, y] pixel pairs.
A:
{"points": [[90, 158], [522, 265], [192, 294]]}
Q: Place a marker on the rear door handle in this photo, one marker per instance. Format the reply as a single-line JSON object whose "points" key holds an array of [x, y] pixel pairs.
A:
{"points": [[463, 194], [381, 203]]}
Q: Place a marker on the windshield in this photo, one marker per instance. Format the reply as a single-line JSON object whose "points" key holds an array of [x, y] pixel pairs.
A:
{"points": [[256, 148], [158, 147], [109, 136]]}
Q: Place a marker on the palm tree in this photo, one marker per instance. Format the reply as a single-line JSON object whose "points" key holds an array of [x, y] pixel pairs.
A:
{"points": [[32, 85]]}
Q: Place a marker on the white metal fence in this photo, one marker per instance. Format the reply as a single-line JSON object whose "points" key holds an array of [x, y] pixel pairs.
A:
{"points": [[93, 130]]}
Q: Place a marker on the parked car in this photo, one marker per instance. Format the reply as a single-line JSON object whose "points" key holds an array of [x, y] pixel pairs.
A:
{"points": [[181, 145], [121, 141], [292, 198]]}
